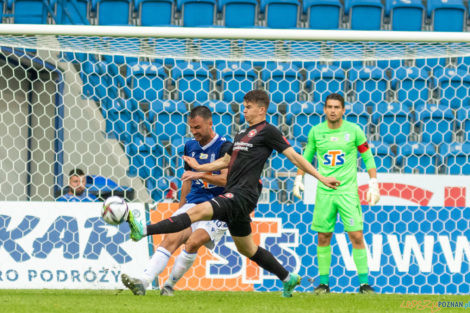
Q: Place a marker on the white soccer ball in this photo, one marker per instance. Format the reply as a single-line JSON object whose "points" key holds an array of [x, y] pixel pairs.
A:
{"points": [[115, 210]]}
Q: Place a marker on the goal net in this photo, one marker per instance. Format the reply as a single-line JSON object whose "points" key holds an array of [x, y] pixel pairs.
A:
{"points": [[114, 101]]}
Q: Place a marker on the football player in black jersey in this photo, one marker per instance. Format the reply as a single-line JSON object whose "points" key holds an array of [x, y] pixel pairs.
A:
{"points": [[245, 161]]}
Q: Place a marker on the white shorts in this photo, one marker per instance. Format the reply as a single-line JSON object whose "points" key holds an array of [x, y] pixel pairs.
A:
{"points": [[216, 229]]}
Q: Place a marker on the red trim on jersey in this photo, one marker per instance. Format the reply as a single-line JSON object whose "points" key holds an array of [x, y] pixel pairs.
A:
{"points": [[285, 139], [363, 148]]}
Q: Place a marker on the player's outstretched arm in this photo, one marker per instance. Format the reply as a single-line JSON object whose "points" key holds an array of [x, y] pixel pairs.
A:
{"points": [[217, 180], [305, 166], [217, 165]]}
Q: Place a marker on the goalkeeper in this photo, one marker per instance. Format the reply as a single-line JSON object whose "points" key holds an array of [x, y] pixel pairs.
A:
{"points": [[336, 143]]}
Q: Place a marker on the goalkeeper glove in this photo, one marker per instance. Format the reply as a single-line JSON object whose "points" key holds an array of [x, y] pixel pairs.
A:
{"points": [[298, 186], [373, 194]]}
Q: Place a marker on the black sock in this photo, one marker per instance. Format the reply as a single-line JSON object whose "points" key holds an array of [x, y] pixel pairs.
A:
{"points": [[266, 260], [173, 224]]}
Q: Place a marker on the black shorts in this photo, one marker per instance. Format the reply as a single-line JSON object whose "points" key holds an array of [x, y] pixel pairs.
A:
{"points": [[234, 209]]}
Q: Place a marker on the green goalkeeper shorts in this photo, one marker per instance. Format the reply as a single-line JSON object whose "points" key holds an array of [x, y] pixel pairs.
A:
{"points": [[326, 210]]}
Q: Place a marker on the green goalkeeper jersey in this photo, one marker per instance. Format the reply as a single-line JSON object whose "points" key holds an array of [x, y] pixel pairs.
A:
{"points": [[337, 151]]}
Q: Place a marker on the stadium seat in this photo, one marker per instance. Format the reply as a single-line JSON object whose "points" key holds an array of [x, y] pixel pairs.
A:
{"points": [[323, 14], [454, 87], [411, 85], [155, 12], [417, 158], [370, 84], [72, 12], [145, 81], [113, 12], [197, 13], [192, 80], [436, 123], [236, 79], [393, 121], [122, 120], [324, 80], [30, 11], [306, 115], [94, 83], [405, 15], [456, 157], [283, 81], [357, 113], [252, 49], [280, 13], [238, 13], [168, 119], [364, 14], [447, 15], [222, 117], [383, 155]]}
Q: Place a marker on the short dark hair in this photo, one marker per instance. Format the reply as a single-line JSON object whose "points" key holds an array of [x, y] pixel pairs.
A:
{"points": [[335, 96], [201, 111], [76, 172], [260, 97]]}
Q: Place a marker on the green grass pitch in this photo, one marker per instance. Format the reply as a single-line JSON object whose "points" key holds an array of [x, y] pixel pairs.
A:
{"points": [[117, 301]]}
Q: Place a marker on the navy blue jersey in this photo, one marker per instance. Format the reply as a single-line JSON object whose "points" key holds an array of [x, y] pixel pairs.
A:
{"points": [[202, 191]]}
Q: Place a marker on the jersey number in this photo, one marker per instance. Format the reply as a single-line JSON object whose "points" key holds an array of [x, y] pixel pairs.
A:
{"points": [[333, 158]]}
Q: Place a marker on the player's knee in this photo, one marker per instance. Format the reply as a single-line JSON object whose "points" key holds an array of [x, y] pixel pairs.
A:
{"points": [[192, 246], [324, 239]]}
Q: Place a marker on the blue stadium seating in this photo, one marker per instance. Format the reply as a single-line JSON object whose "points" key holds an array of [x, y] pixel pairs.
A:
{"points": [[365, 14], [454, 87], [324, 80], [323, 14], [114, 12], [236, 79], [447, 15], [197, 13], [283, 81], [357, 113], [193, 81], [72, 12], [122, 120], [456, 156], [168, 119], [370, 84], [417, 158], [145, 81], [30, 11], [306, 115], [393, 121], [436, 122], [405, 15], [222, 117], [411, 84], [95, 84], [215, 51], [280, 13], [238, 13], [155, 12], [383, 155]]}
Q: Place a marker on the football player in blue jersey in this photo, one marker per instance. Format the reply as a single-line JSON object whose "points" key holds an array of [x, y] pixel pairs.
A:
{"points": [[197, 187]]}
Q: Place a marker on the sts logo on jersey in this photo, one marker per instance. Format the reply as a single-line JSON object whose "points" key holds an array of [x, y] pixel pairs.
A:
{"points": [[333, 158]]}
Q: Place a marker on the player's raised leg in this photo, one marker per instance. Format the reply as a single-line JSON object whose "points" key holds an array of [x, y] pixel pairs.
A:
{"points": [[202, 211]]}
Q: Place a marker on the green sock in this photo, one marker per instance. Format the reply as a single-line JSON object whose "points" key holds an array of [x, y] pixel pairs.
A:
{"points": [[360, 258], [324, 263]]}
